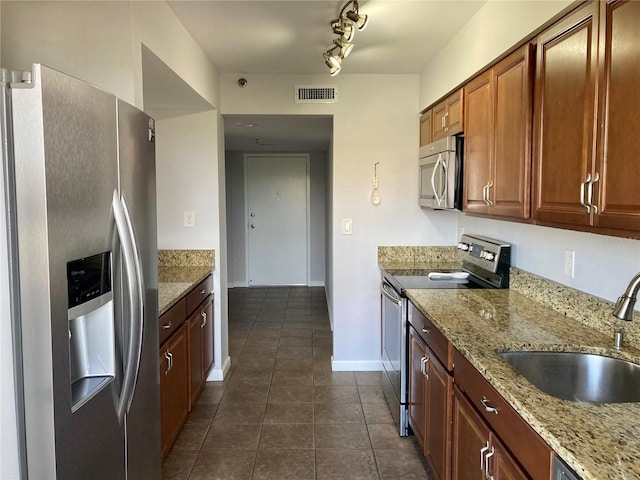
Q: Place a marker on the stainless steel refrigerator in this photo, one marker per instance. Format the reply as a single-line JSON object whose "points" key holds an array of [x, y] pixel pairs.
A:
{"points": [[79, 178]]}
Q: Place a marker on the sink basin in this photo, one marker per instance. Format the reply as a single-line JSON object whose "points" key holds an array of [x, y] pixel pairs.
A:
{"points": [[578, 377]]}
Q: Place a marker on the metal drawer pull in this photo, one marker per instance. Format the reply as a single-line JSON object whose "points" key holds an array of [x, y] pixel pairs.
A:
{"points": [[167, 326], [202, 292], [489, 185], [487, 407], [482, 450], [424, 330], [596, 178], [582, 187], [486, 463], [204, 316]]}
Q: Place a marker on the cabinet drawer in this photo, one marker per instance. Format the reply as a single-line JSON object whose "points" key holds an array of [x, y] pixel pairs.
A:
{"points": [[434, 339], [525, 444], [196, 296], [172, 319]]}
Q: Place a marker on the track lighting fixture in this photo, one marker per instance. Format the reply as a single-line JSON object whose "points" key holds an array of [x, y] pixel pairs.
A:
{"points": [[344, 26]]}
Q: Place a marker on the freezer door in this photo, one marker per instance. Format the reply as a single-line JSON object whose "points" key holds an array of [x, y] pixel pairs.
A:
{"points": [[138, 189], [66, 172]]}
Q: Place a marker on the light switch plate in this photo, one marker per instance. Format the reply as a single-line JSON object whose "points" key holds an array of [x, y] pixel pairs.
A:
{"points": [[347, 226]]}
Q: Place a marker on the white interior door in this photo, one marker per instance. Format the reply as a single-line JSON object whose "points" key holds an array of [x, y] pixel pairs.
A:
{"points": [[277, 219]]}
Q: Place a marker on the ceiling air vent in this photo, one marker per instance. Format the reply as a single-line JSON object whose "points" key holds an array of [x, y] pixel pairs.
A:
{"points": [[316, 94]]}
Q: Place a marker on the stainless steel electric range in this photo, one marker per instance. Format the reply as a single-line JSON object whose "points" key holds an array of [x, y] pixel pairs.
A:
{"points": [[482, 263]]}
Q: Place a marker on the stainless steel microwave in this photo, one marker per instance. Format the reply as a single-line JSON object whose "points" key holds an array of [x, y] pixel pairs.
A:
{"points": [[441, 174]]}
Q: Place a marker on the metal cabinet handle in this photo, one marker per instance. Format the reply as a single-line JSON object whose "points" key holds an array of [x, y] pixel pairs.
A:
{"points": [[489, 185], [443, 120], [423, 366], [486, 463], [167, 326], [169, 358], [487, 407], [202, 292], [482, 450], [203, 314], [596, 178], [425, 330], [583, 185]]}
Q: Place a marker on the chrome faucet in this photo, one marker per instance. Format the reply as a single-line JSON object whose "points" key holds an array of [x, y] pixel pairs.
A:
{"points": [[624, 306]]}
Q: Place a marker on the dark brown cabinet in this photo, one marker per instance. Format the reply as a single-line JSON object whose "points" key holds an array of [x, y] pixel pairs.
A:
{"points": [[430, 389], [498, 118], [447, 117], [174, 386], [477, 451], [482, 418], [200, 348], [186, 357]]}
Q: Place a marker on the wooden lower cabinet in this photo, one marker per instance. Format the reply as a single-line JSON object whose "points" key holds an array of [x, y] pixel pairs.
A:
{"points": [[200, 348], [430, 387], [477, 453], [174, 386]]}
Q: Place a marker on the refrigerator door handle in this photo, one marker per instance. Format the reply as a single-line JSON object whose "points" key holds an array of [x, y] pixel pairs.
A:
{"points": [[137, 322], [129, 366]]}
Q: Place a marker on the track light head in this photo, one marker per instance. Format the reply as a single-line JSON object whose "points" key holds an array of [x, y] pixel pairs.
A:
{"points": [[343, 28], [333, 61], [344, 46], [360, 21]]}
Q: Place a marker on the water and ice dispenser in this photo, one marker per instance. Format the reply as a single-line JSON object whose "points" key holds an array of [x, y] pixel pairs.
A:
{"points": [[91, 327]]}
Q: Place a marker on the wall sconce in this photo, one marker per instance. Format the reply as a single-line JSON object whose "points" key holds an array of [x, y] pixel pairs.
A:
{"points": [[344, 26]]}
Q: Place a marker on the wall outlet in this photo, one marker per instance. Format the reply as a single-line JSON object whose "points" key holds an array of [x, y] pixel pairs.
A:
{"points": [[569, 263], [189, 219]]}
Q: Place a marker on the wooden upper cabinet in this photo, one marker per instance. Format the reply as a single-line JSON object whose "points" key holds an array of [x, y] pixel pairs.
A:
{"points": [[447, 116], [425, 128], [564, 117], [498, 117], [618, 165]]}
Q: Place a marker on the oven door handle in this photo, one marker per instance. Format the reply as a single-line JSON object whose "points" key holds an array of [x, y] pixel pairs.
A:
{"points": [[388, 291]]}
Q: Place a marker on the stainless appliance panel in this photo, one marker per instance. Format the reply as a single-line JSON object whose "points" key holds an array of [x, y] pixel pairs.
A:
{"points": [[440, 181], [65, 155], [138, 185]]}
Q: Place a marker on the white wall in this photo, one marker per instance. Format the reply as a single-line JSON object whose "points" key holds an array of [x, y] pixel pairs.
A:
{"points": [[236, 217], [497, 26], [603, 265], [376, 120]]}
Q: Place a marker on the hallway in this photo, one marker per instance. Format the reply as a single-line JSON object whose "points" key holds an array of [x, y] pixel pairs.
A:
{"points": [[282, 413]]}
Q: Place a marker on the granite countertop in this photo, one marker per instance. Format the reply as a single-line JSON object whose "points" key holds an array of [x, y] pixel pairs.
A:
{"points": [[175, 281], [597, 441]]}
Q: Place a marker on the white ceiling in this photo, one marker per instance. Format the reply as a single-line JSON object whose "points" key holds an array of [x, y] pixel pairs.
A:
{"points": [[289, 37], [264, 36]]}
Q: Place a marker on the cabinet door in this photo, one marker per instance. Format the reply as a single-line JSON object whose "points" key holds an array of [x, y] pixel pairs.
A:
{"points": [[455, 113], [477, 142], [566, 69], [503, 465], [417, 356], [438, 417], [207, 337], [511, 164], [425, 128], [195, 356], [438, 121], [470, 436], [619, 117], [174, 386]]}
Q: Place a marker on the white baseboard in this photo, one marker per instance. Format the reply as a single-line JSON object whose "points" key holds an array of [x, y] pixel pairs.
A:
{"points": [[356, 366], [316, 283], [218, 374], [236, 284]]}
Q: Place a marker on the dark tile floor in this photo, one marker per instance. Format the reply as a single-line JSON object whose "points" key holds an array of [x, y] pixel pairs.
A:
{"points": [[282, 413]]}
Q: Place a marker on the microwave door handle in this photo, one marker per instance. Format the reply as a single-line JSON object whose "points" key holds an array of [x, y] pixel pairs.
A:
{"points": [[433, 179], [444, 178]]}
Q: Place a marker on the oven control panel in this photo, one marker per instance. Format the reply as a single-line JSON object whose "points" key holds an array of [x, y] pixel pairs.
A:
{"points": [[487, 253]]}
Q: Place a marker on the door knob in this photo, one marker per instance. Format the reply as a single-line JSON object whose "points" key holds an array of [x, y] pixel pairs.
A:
{"points": [[252, 225]]}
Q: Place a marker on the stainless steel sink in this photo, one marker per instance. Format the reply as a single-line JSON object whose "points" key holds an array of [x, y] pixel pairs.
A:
{"points": [[578, 377]]}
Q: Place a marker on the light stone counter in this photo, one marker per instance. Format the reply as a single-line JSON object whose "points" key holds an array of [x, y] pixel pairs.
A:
{"points": [[598, 441]]}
